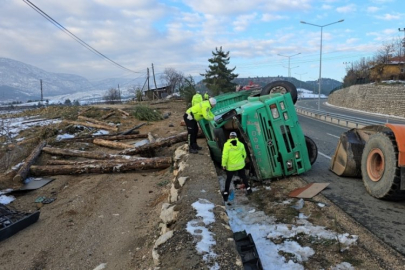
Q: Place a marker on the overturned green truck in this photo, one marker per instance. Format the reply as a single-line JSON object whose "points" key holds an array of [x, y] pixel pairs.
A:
{"points": [[266, 122]]}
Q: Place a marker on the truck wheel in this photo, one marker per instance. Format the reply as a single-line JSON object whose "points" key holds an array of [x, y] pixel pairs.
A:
{"points": [[379, 160], [312, 149], [280, 87]]}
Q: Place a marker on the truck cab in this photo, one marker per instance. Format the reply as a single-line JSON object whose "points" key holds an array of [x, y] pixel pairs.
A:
{"points": [[269, 128]]}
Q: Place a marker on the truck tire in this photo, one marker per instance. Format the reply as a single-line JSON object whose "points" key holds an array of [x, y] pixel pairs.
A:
{"points": [[280, 87], [312, 150], [381, 175]]}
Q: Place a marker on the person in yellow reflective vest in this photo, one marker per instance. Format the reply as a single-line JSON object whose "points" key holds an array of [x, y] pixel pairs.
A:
{"points": [[206, 96], [197, 98], [233, 162], [196, 113]]}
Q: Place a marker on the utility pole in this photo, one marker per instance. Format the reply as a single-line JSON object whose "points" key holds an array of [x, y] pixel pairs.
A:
{"points": [[403, 40], [42, 95], [154, 79]]}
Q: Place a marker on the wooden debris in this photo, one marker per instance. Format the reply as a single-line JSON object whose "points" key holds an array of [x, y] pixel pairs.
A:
{"points": [[78, 153], [106, 137], [123, 112], [132, 129], [151, 146], [91, 125], [107, 115], [90, 161], [24, 170], [94, 121], [112, 144], [105, 167]]}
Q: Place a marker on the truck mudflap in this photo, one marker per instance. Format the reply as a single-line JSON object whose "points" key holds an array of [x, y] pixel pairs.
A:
{"points": [[346, 160]]}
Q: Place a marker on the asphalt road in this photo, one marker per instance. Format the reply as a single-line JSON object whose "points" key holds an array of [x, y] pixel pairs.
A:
{"points": [[383, 218]]}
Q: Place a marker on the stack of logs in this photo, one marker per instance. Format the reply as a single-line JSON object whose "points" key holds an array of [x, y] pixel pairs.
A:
{"points": [[99, 162]]}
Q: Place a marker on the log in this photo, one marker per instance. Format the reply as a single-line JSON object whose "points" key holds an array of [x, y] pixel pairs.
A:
{"points": [[90, 161], [106, 167], [91, 125], [78, 153], [107, 115], [132, 129], [151, 146], [91, 120], [106, 137], [123, 112], [112, 144], [25, 168]]}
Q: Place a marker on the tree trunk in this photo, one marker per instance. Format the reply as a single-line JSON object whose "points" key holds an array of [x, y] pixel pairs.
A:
{"points": [[91, 125], [132, 129], [112, 144], [78, 153], [106, 167], [91, 120], [23, 171], [151, 146], [107, 115], [123, 112], [106, 137], [91, 161]]}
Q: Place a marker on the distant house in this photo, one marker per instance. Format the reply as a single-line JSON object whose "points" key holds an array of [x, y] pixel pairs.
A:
{"points": [[394, 69], [157, 93]]}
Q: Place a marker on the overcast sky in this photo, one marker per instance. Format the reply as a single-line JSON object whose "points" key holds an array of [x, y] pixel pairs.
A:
{"points": [[182, 34]]}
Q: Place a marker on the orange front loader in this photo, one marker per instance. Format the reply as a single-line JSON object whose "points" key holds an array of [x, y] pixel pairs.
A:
{"points": [[377, 154]]}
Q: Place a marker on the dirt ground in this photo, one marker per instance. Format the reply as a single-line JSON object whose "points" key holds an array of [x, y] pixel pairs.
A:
{"points": [[111, 221]]}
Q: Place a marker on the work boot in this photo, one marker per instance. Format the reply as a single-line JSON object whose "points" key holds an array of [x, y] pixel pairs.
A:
{"points": [[248, 191], [193, 151], [195, 146], [225, 196]]}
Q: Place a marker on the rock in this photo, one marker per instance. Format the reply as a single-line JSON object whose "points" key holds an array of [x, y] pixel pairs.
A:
{"points": [[182, 180], [174, 194], [168, 215], [162, 239]]}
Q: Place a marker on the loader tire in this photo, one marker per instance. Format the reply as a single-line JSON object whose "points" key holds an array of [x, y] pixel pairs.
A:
{"points": [[281, 87], [312, 149], [381, 175]]}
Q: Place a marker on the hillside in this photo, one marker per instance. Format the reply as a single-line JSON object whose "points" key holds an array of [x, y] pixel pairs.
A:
{"points": [[20, 81]]}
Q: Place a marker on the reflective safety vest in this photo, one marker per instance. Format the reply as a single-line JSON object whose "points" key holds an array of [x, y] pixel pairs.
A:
{"points": [[201, 110], [233, 155], [197, 98]]}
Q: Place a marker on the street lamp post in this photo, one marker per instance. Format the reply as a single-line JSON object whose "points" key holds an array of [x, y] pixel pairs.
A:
{"points": [[289, 56], [300, 76], [403, 41], [320, 58]]}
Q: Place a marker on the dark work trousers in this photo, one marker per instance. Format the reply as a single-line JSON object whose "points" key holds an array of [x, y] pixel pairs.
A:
{"points": [[230, 174], [192, 129]]}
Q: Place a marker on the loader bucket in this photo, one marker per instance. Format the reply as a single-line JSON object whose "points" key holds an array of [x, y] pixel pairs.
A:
{"points": [[347, 158]]}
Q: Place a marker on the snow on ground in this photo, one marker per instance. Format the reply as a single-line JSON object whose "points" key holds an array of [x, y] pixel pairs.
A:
{"points": [[11, 127], [263, 228]]}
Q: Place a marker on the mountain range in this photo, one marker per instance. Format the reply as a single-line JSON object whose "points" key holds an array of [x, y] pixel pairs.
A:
{"points": [[20, 81]]}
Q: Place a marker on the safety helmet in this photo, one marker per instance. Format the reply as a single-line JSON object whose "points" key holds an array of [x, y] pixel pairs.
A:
{"points": [[233, 134], [213, 101]]}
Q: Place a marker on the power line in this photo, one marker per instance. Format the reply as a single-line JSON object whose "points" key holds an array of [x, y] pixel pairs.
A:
{"points": [[80, 41]]}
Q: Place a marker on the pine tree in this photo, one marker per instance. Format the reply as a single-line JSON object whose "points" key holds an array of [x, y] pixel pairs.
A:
{"points": [[219, 78]]}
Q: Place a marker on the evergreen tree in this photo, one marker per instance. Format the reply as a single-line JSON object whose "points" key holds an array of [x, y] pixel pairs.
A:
{"points": [[187, 90], [219, 78]]}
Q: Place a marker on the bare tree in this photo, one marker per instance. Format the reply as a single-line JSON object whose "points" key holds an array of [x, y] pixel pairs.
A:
{"points": [[173, 78], [112, 95]]}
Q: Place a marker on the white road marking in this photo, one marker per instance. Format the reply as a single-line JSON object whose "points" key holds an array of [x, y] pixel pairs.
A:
{"points": [[333, 135], [322, 154]]}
